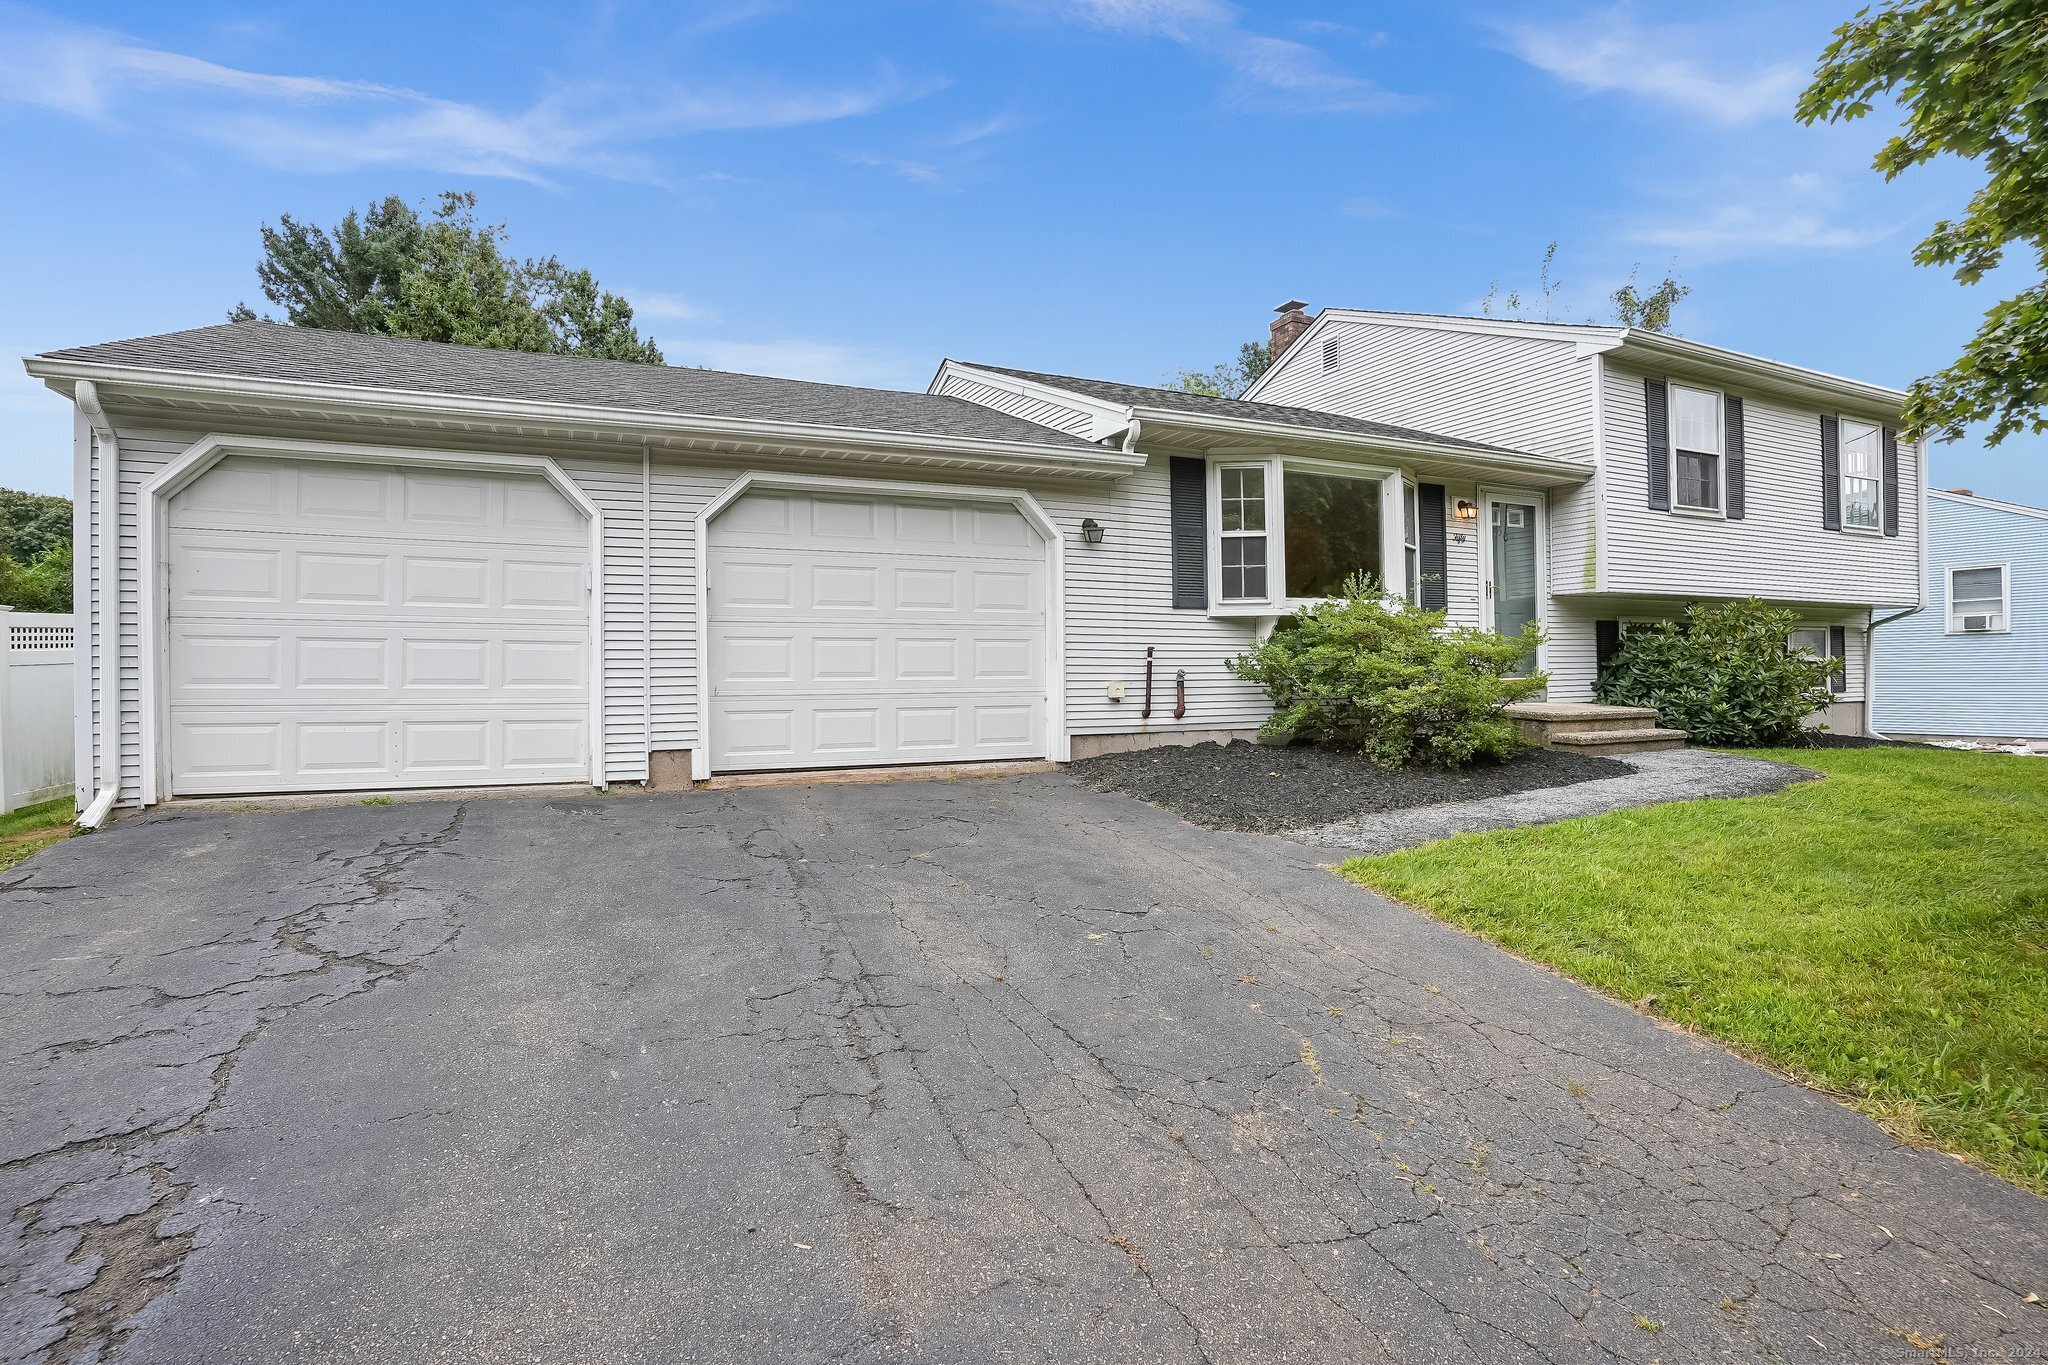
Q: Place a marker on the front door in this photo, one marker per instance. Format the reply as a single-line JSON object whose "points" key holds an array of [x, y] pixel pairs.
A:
{"points": [[1512, 564]]}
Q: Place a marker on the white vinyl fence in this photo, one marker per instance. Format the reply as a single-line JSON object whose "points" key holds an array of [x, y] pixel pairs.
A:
{"points": [[36, 701]]}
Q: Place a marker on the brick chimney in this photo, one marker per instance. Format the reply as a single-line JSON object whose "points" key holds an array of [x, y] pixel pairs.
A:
{"points": [[1288, 327]]}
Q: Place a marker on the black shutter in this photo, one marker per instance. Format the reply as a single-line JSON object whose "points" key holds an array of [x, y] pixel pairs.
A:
{"points": [[1838, 650], [1187, 485], [1737, 462], [1830, 474], [1606, 641], [1433, 592], [1891, 482], [1657, 427]]}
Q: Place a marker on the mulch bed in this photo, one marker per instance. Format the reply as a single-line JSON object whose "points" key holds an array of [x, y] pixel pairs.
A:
{"points": [[1268, 790]]}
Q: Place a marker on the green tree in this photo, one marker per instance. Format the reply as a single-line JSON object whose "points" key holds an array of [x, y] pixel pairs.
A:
{"points": [[1228, 380], [43, 584], [391, 271], [1971, 78], [1630, 306], [32, 524]]}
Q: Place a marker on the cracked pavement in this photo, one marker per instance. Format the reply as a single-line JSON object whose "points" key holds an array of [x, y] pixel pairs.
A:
{"points": [[983, 1070]]}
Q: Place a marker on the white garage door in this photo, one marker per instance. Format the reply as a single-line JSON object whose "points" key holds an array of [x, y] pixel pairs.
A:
{"points": [[335, 626], [848, 630]]}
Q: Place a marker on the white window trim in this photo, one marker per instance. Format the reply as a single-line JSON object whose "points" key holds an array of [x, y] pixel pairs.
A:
{"points": [[1720, 512], [1488, 494], [1411, 585], [2004, 598], [1393, 571], [1842, 422]]}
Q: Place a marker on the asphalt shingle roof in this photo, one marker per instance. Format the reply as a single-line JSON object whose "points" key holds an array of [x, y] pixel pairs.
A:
{"points": [[1201, 405], [268, 350]]}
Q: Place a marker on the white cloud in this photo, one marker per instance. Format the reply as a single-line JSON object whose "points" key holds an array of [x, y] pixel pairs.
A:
{"points": [[918, 172], [1799, 212], [317, 123], [1299, 75], [1610, 52], [826, 362], [1368, 207], [669, 307]]}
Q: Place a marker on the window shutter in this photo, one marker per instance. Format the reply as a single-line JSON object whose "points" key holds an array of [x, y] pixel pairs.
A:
{"points": [[1433, 592], [1657, 426], [1830, 474], [1187, 488], [1606, 641], [1891, 482], [1838, 650], [1736, 462]]}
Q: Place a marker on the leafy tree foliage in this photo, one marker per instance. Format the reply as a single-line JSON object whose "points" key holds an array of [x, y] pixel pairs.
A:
{"points": [[1398, 684], [1631, 305], [1971, 77], [1229, 380], [32, 524], [390, 271], [1726, 675], [41, 584]]}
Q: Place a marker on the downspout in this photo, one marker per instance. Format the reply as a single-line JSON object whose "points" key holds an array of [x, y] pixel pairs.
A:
{"points": [[104, 513]]}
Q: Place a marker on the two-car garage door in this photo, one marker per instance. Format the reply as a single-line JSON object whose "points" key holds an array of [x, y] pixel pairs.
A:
{"points": [[335, 626], [848, 630]]}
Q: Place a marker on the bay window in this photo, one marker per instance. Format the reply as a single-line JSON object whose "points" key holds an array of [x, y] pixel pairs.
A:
{"points": [[1290, 531], [1696, 437], [1862, 476]]}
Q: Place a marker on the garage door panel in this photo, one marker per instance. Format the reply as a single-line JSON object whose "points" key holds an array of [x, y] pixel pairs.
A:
{"points": [[850, 630], [335, 626]]}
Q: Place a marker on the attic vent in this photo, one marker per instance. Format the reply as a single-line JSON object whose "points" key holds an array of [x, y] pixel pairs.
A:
{"points": [[1330, 349]]}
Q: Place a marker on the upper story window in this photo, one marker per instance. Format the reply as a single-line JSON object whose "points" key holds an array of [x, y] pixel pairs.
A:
{"points": [[1296, 531], [1862, 476], [1979, 600], [1696, 436], [1243, 530]]}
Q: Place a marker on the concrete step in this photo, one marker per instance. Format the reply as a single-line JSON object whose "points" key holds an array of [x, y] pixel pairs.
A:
{"points": [[1555, 712], [1643, 740]]}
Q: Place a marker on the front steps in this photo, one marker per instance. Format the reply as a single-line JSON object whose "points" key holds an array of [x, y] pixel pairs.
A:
{"points": [[1588, 728]]}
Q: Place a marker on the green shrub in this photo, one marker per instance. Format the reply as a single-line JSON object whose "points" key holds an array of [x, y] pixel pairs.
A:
{"points": [[1398, 684], [1725, 675], [43, 584]]}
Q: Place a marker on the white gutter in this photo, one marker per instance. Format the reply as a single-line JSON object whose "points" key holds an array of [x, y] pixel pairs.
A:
{"points": [[1769, 373], [1574, 470], [104, 519], [634, 421]]}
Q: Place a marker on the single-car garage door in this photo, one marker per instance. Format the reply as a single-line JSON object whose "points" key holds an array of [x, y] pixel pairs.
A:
{"points": [[847, 630], [335, 625]]}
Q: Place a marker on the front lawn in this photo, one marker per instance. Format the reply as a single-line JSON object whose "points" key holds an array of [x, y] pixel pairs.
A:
{"points": [[33, 829], [1882, 933]]}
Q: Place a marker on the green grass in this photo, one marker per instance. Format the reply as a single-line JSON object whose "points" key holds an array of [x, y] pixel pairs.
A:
{"points": [[33, 829], [1882, 934]]}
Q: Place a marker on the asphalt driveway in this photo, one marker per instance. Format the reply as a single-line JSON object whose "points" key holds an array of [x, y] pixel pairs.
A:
{"points": [[987, 1070]]}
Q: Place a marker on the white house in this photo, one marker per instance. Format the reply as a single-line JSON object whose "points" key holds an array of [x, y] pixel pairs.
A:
{"points": [[319, 561], [1975, 663], [1704, 474]]}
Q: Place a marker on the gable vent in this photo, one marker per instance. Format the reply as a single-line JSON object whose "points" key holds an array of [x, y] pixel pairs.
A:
{"points": [[1330, 349]]}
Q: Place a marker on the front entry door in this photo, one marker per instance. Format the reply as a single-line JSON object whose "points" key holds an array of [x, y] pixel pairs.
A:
{"points": [[1513, 564]]}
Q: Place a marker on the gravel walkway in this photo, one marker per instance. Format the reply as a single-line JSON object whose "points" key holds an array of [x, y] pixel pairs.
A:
{"points": [[1672, 775]]}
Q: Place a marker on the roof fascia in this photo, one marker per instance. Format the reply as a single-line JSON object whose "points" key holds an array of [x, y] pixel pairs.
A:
{"points": [[1276, 433], [343, 398], [1650, 349], [1107, 418]]}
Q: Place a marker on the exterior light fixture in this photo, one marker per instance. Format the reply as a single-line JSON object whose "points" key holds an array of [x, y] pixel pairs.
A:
{"points": [[1091, 530], [1467, 510]]}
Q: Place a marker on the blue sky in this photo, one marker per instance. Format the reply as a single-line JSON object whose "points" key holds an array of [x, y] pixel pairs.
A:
{"points": [[849, 192]]}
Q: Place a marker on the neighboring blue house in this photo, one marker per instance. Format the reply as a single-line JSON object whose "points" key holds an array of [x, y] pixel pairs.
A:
{"points": [[1975, 662]]}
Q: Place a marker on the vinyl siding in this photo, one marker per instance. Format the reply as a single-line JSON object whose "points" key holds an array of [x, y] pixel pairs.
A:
{"points": [[1571, 659], [1930, 682], [1117, 597], [1780, 549], [1075, 421], [1526, 393]]}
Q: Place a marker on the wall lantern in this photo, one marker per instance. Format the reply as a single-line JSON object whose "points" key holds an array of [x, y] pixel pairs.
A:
{"points": [[1467, 511], [1091, 530]]}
